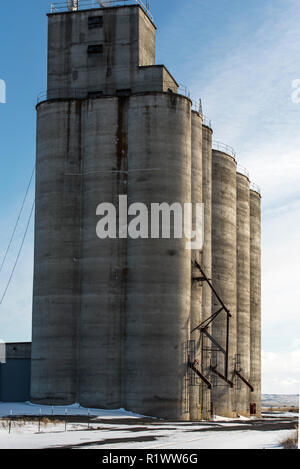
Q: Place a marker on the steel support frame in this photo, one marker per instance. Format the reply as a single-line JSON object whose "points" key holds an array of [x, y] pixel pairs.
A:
{"points": [[205, 324], [245, 381]]}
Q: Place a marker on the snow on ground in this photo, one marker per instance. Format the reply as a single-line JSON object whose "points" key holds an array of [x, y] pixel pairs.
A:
{"points": [[218, 418], [119, 429], [248, 439], [168, 439], [27, 408]]}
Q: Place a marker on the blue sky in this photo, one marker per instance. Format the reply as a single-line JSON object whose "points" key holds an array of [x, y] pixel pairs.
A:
{"points": [[240, 58]]}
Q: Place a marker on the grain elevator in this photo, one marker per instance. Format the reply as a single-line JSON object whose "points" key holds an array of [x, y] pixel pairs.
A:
{"points": [[141, 324]]}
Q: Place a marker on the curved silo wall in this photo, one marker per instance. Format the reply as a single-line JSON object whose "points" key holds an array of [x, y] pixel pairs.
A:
{"points": [[224, 273], [206, 261], [255, 296], [195, 386], [157, 326], [104, 263], [56, 296], [243, 293]]}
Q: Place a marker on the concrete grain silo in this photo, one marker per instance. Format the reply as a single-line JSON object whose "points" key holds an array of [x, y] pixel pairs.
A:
{"points": [[102, 262], [224, 278], [255, 300], [157, 322], [137, 321], [111, 317], [206, 345], [196, 292], [243, 293], [56, 294]]}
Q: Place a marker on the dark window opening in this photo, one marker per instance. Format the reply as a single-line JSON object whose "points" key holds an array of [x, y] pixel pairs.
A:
{"points": [[95, 49], [95, 22], [95, 94], [252, 409], [125, 92]]}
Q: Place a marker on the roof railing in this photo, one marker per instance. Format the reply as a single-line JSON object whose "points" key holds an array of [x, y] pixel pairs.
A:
{"points": [[242, 170], [74, 5], [207, 122], [62, 93], [197, 106], [224, 148], [254, 187], [82, 93]]}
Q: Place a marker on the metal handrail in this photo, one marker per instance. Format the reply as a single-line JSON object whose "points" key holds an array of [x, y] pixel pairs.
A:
{"points": [[242, 170], [89, 4], [82, 93], [62, 93], [224, 148], [184, 90], [197, 106], [196, 103], [254, 187], [207, 122]]}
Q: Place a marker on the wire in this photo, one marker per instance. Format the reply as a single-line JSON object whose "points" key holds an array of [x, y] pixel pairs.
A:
{"points": [[17, 222], [18, 256]]}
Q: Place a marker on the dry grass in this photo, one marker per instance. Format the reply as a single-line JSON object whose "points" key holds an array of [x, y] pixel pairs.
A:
{"points": [[19, 422], [291, 442]]}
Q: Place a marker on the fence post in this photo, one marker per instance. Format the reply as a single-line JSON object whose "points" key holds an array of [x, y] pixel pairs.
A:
{"points": [[10, 418], [66, 412], [39, 420]]}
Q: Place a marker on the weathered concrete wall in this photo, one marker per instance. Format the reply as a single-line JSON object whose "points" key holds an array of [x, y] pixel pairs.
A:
{"points": [[206, 262], [243, 293], [103, 262], [112, 318], [159, 270], [89, 293], [56, 294], [224, 272], [196, 290], [255, 292], [127, 39]]}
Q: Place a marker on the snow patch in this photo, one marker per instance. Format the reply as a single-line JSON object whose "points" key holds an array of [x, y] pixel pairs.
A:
{"points": [[27, 408]]}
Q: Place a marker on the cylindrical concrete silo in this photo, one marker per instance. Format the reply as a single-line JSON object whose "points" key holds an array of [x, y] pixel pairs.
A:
{"points": [[56, 299], [224, 274], [255, 298], [196, 288], [206, 261], [157, 326], [104, 262], [243, 292]]}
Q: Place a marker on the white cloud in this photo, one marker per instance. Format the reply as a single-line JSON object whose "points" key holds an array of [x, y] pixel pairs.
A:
{"points": [[248, 97], [281, 372]]}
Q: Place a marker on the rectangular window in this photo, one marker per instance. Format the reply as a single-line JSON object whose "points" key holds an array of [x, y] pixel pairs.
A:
{"points": [[95, 22], [125, 92], [95, 49], [95, 94]]}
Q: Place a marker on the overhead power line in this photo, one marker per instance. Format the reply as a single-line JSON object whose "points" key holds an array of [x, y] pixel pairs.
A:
{"points": [[18, 256], [18, 219]]}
